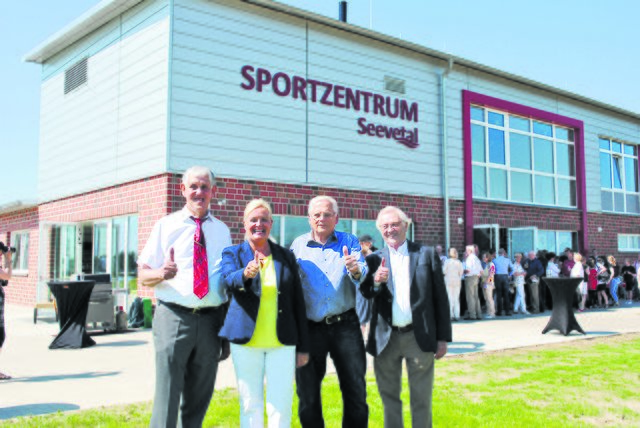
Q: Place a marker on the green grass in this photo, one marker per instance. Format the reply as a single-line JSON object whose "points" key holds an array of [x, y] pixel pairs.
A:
{"points": [[586, 383]]}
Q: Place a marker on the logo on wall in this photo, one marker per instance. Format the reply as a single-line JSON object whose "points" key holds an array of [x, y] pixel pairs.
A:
{"points": [[338, 96]]}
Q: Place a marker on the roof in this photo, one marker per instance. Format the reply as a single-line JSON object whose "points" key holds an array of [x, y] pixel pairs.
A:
{"points": [[106, 10], [10, 207]]}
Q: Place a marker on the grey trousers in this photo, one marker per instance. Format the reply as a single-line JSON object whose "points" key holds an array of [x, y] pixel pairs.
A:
{"points": [[535, 301], [187, 350], [473, 301], [420, 370]]}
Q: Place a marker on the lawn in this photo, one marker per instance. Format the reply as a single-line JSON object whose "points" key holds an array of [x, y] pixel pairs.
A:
{"points": [[584, 383]]}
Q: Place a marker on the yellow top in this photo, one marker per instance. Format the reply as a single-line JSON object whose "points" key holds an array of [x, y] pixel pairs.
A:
{"points": [[265, 335]]}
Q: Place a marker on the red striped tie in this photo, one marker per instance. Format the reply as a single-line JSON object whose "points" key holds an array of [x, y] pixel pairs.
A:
{"points": [[200, 263]]}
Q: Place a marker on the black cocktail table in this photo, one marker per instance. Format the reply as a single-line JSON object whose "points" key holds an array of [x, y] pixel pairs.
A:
{"points": [[72, 298], [562, 316]]}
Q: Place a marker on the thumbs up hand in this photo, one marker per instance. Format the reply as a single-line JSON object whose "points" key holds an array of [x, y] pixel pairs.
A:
{"points": [[169, 268], [253, 267], [382, 274], [350, 262]]}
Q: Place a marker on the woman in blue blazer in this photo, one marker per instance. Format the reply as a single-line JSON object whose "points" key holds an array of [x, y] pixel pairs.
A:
{"points": [[266, 322]]}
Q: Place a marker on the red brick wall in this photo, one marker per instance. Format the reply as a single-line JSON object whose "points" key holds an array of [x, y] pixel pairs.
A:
{"points": [[606, 241]]}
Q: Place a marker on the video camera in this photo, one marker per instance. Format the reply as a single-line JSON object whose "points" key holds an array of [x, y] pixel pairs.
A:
{"points": [[5, 248]]}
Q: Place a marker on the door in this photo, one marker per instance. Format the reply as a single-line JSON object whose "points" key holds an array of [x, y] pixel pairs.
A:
{"points": [[487, 236]]}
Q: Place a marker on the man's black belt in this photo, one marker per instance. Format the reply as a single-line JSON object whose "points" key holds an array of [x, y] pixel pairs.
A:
{"points": [[203, 310], [402, 329], [332, 319]]}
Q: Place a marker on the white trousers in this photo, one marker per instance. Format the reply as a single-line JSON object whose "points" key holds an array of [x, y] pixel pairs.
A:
{"points": [[253, 367], [519, 304]]}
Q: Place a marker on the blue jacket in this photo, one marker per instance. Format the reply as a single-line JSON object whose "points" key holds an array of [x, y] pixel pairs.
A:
{"points": [[291, 324]]}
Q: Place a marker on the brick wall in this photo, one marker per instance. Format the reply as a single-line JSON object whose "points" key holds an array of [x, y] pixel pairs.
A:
{"points": [[606, 241]]}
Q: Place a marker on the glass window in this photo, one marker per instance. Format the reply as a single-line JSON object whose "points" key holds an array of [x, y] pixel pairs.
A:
{"points": [[520, 149], [368, 227], [616, 147], [543, 155], [606, 199], [542, 128], [618, 176], [64, 251], [20, 260], [562, 133], [631, 175], [498, 183], [565, 159], [479, 182], [344, 225], [617, 167], [520, 123], [118, 259], [521, 189], [477, 113], [566, 193], [478, 143], [496, 146], [132, 253], [100, 248], [633, 204], [294, 227], [605, 170], [604, 144], [496, 118], [629, 150], [628, 242], [564, 240], [545, 192], [618, 202]]}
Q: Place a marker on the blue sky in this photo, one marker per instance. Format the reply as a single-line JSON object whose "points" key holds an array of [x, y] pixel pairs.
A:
{"points": [[589, 47]]}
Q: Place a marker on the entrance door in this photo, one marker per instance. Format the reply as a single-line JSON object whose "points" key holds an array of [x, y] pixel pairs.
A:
{"points": [[486, 236], [522, 240]]}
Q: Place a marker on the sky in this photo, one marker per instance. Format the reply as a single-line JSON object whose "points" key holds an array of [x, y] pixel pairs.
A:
{"points": [[589, 47]]}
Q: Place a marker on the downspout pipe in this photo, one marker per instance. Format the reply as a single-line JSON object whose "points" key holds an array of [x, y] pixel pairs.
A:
{"points": [[445, 162]]}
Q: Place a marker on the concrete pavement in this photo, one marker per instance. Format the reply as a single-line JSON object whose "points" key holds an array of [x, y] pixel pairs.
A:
{"points": [[119, 369]]}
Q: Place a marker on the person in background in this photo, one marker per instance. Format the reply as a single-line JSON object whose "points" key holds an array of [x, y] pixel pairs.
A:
{"points": [[452, 270], [553, 271], [472, 271], [410, 319], [577, 271], [440, 253], [488, 286], [604, 276], [519, 273], [266, 322], [534, 270], [542, 287], [5, 275], [363, 305], [331, 268], [591, 272], [615, 280], [181, 260], [504, 267], [567, 264], [629, 274]]}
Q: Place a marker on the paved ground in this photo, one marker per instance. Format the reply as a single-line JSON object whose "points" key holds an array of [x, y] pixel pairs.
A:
{"points": [[120, 368]]}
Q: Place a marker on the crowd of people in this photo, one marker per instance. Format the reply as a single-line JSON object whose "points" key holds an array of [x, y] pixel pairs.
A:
{"points": [[505, 286]]}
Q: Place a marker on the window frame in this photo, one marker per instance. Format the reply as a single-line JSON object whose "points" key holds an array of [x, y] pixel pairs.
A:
{"points": [[622, 156], [628, 236], [22, 270]]}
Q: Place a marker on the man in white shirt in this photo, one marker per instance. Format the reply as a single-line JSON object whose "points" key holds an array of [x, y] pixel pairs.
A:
{"points": [[472, 271], [181, 259], [410, 319]]}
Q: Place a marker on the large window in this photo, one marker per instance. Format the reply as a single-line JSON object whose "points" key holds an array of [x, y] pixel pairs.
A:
{"points": [[287, 228], [619, 176], [628, 242], [20, 260], [115, 250], [523, 160]]}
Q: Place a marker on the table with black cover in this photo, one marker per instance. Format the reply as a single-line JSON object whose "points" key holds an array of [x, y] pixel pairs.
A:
{"points": [[72, 299], [562, 316]]}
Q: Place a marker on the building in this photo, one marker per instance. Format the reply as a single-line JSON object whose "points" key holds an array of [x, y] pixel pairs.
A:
{"points": [[285, 104]]}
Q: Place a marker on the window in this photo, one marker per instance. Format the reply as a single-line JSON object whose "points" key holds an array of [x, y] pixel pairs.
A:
{"points": [[287, 228], [628, 242], [115, 250], [556, 240], [75, 76], [20, 260], [619, 177], [522, 160]]}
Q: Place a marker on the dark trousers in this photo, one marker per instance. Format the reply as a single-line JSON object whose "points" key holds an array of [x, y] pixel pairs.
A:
{"points": [[343, 342], [187, 350], [502, 294]]}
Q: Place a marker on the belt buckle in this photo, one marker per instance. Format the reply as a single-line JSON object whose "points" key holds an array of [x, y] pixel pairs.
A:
{"points": [[332, 319]]}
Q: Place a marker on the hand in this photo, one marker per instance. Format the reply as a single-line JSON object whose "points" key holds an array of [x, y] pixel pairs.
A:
{"points": [[253, 267], [350, 262], [302, 358], [8, 256], [225, 350], [382, 274], [169, 268], [441, 350]]}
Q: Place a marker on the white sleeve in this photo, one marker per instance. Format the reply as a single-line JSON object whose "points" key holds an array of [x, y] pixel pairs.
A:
{"points": [[152, 254]]}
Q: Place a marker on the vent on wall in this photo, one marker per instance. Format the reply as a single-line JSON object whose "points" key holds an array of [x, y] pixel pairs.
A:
{"points": [[394, 84], [75, 75]]}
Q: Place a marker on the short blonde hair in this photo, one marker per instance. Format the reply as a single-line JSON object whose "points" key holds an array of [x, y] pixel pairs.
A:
{"points": [[612, 260], [453, 253], [577, 257], [401, 215], [334, 204], [255, 204]]}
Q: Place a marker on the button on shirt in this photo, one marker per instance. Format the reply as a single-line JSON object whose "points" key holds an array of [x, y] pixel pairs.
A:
{"points": [[177, 231], [502, 265], [401, 286], [328, 287]]}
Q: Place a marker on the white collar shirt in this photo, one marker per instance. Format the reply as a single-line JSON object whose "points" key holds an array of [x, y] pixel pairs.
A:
{"points": [[177, 231], [472, 263], [401, 286]]}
